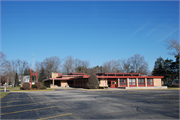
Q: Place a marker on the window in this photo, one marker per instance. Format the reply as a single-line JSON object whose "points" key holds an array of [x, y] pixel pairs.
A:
{"points": [[111, 74], [141, 82], [132, 82], [149, 82], [123, 82], [119, 74]]}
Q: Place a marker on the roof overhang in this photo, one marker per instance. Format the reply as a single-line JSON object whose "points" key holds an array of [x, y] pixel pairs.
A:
{"points": [[130, 76]]}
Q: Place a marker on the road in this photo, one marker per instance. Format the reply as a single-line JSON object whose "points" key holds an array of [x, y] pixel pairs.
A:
{"points": [[82, 104]]}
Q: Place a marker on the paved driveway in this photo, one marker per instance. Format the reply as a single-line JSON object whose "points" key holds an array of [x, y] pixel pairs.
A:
{"points": [[81, 104]]}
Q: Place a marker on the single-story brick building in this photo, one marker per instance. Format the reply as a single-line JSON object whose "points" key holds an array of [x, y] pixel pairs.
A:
{"points": [[112, 80]]}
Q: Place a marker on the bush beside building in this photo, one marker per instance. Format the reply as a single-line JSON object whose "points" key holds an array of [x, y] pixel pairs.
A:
{"points": [[93, 82]]}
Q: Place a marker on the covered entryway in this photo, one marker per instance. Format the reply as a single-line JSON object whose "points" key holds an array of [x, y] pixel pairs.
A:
{"points": [[112, 83]]}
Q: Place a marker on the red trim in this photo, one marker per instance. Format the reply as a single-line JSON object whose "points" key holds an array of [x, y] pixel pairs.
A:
{"points": [[130, 76], [77, 74], [141, 84], [120, 73], [35, 74], [132, 83], [149, 85], [122, 83]]}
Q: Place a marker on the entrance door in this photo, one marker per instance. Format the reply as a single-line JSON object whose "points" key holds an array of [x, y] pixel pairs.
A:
{"points": [[113, 84]]}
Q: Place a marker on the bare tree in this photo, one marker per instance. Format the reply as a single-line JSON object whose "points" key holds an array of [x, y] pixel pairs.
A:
{"points": [[111, 66], [138, 64], [22, 66], [68, 64], [173, 45], [19, 66], [77, 63], [38, 66], [97, 69], [4, 63], [5, 69], [51, 64], [125, 65], [81, 66]]}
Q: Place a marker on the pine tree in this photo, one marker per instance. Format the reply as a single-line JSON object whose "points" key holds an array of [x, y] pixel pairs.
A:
{"points": [[41, 75], [93, 81], [16, 80], [159, 67], [27, 71], [167, 68]]}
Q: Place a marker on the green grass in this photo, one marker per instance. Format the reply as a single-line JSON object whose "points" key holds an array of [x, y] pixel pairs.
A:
{"points": [[10, 88], [18, 89], [34, 90], [173, 88], [3, 94]]}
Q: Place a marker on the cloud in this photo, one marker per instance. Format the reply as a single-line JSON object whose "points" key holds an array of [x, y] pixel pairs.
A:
{"points": [[139, 29], [167, 35], [151, 32]]}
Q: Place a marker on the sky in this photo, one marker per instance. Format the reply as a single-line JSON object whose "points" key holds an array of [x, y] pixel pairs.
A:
{"points": [[97, 31]]}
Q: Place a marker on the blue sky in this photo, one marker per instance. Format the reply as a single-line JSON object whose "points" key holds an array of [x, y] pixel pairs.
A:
{"points": [[94, 31]]}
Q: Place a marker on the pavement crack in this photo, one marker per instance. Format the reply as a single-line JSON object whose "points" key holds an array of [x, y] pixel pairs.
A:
{"points": [[137, 109]]}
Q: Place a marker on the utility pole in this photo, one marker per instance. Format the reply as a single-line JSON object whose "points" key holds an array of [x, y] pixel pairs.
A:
{"points": [[7, 80]]}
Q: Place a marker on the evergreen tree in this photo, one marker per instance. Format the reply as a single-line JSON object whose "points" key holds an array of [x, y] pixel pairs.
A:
{"points": [[27, 71], [93, 81], [177, 65], [159, 69], [16, 80], [41, 75], [167, 68]]}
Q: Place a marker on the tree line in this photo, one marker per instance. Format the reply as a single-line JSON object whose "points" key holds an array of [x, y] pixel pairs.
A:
{"points": [[67, 65], [12, 71], [167, 67]]}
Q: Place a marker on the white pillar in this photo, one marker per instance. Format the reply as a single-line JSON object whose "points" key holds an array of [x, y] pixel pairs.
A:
{"points": [[127, 82], [137, 82], [145, 82]]}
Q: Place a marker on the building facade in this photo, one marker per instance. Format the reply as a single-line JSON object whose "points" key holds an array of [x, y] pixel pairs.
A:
{"points": [[111, 80]]}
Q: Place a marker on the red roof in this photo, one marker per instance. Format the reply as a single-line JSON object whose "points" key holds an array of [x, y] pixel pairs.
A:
{"points": [[77, 74], [130, 76], [83, 75]]}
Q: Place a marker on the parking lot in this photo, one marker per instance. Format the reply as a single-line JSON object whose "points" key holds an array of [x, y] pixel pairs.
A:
{"points": [[84, 104]]}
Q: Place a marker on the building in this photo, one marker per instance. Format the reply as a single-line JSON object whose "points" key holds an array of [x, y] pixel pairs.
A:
{"points": [[25, 78], [111, 80]]}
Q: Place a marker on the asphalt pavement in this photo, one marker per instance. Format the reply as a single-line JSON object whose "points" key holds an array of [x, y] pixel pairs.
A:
{"points": [[87, 104]]}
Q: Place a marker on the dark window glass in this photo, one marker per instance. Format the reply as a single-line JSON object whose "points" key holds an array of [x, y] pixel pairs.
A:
{"points": [[150, 81]]}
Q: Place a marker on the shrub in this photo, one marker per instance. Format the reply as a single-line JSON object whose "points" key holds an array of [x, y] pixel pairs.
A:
{"points": [[39, 85], [92, 82], [44, 87], [34, 86], [103, 87], [26, 86], [43, 83]]}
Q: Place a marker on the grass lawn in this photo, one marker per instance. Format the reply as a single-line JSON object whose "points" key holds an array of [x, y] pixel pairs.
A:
{"points": [[34, 90], [3, 94], [173, 88], [18, 89], [11, 88]]}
